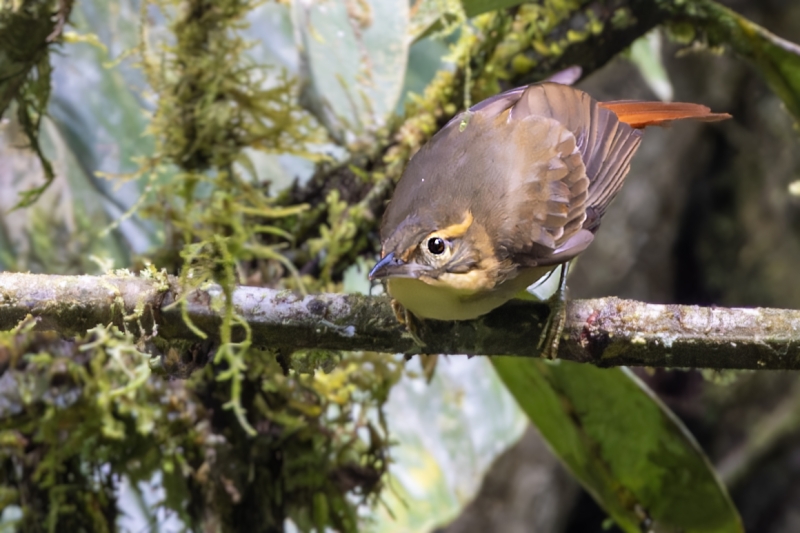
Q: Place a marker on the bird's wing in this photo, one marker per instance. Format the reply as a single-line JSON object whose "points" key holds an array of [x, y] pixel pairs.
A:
{"points": [[606, 144], [542, 206], [573, 157], [606, 135]]}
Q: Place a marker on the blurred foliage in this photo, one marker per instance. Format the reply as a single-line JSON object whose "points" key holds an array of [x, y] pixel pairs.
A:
{"points": [[78, 414], [26, 31], [213, 457], [261, 437]]}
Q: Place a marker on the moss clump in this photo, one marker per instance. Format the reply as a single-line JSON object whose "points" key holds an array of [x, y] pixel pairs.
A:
{"points": [[27, 30]]}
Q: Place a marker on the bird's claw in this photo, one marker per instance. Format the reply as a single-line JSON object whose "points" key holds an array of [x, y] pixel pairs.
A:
{"points": [[412, 323], [554, 327]]}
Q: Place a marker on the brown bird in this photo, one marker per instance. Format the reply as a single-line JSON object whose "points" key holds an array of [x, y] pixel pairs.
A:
{"points": [[505, 193]]}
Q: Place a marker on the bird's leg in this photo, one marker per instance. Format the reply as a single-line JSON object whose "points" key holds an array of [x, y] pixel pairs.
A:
{"points": [[412, 323], [554, 327]]}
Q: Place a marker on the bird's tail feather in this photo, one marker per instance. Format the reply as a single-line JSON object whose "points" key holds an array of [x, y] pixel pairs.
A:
{"points": [[642, 114]]}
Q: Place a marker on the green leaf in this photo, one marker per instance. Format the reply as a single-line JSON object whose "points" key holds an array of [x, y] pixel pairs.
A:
{"points": [[356, 61], [626, 448], [428, 16], [448, 433], [474, 8], [100, 119], [645, 53], [778, 60]]}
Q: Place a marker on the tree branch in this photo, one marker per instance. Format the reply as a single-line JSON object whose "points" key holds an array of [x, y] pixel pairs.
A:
{"points": [[605, 331]]}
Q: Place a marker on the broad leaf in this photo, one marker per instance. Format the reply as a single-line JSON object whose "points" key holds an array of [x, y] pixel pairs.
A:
{"points": [[355, 60], [626, 448], [448, 433], [476, 7], [645, 53], [97, 110]]}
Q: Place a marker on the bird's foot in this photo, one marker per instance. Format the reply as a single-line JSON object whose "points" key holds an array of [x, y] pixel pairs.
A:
{"points": [[412, 323], [554, 327], [413, 326]]}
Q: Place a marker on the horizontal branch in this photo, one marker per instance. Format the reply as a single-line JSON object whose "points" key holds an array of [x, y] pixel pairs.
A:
{"points": [[605, 331]]}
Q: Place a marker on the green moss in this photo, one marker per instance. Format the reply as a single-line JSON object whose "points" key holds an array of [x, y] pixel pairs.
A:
{"points": [[682, 32], [27, 30], [77, 405], [89, 411], [535, 38], [622, 18]]}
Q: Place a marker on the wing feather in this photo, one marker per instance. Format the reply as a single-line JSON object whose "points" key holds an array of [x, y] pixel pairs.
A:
{"points": [[605, 145]]}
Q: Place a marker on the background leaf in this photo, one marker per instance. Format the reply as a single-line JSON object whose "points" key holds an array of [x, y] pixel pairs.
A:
{"points": [[448, 433], [355, 58], [476, 7], [631, 453], [645, 53]]}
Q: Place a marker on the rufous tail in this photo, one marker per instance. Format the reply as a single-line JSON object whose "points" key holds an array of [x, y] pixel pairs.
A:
{"points": [[642, 114]]}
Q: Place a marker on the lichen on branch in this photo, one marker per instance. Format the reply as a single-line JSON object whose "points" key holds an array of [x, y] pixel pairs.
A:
{"points": [[604, 332]]}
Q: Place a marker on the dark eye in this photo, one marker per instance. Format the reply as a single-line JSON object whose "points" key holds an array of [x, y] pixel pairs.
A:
{"points": [[436, 245]]}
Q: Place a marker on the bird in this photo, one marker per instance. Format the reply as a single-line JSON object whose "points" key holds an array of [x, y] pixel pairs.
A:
{"points": [[506, 192]]}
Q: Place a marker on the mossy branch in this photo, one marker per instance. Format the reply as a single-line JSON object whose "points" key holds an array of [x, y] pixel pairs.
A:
{"points": [[605, 331]]}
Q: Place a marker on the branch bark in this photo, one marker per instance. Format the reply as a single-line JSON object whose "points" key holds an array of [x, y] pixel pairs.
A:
{"points": [[605, 332]]}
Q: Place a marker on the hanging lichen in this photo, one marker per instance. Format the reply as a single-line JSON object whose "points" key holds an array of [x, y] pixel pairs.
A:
{"points": [[27, 30]]}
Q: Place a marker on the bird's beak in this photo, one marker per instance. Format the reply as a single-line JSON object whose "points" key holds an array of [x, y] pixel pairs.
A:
{"points": [[392, 267]]}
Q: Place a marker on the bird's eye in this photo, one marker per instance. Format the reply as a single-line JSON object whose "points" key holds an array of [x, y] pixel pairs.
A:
{"points": [[436, 245]]}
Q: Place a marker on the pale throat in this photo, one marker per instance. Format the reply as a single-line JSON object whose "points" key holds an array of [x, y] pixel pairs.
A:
{"points": [[459, 296]]}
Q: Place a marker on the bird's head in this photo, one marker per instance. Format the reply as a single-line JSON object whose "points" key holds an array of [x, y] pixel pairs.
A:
{"points": [[457, 255], [437, 228]]}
